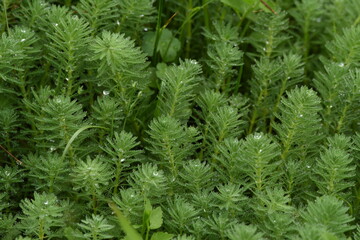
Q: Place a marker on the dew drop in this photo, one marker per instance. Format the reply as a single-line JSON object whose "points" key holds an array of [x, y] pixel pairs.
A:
{"points": [[105, 92], [141, 16], [155, 173], [267, 42], [122, 160], [194, 62], [264, 49], [118, 22], [132, 195], [341, 64], [257, 135], [146, 29], [67, 79], [308, 166], [260, 150], [56, 24], [23, 40], [46, 203], [301, 115], [23, 30], [52, 148]]}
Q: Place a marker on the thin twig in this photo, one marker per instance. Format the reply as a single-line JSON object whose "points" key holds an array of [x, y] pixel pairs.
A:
{"points": [[169, 20], [17, 160], [268, 7]]}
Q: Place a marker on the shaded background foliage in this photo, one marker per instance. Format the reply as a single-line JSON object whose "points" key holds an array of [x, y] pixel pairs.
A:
{"points": [[212, 119]]}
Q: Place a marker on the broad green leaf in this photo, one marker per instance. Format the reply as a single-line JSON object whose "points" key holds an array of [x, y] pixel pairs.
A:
{"points": [[148, 207], [156, 218], [131, 233], [161, 236], [169, 46]]}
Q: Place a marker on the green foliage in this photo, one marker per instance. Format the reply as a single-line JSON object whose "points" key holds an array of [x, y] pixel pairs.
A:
{"points": [[177, 89], [179, 215], [334, 170], [196, 176], [107, 113], [48, 172], [41, 215], [223, 57], [259, 153], [171, 142], [299, 117], [269, 34], [95, 227], [308, 14], [329, 213], [344, 47], [56, 119], [242, 231], [99, 14], [168, 47], [67, 50], [149, 181], [179, 120], [134, 16]]}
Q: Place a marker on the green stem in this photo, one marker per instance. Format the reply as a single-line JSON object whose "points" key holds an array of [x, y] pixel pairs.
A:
{"points": [[278, 100], [94, 201], [206, 15], [118, 172], [188, 28], [259, 100], [41, 234], [342, 118], [6, 25], [158, 32]]}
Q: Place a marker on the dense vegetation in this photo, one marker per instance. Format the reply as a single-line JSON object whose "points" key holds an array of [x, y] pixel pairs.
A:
{"points": [[183, 120]]}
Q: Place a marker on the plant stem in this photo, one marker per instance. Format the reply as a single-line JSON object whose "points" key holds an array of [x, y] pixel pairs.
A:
{"points": [[6, 25], [206, 15], [188, 28], [158, 32], [117, 178]]}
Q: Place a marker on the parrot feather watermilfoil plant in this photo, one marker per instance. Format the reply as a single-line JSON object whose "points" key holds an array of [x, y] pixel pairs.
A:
{"points": [[179, 120]]}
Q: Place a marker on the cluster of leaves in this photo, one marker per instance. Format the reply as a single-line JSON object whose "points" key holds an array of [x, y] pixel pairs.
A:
{"points": [[184, 120]]}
